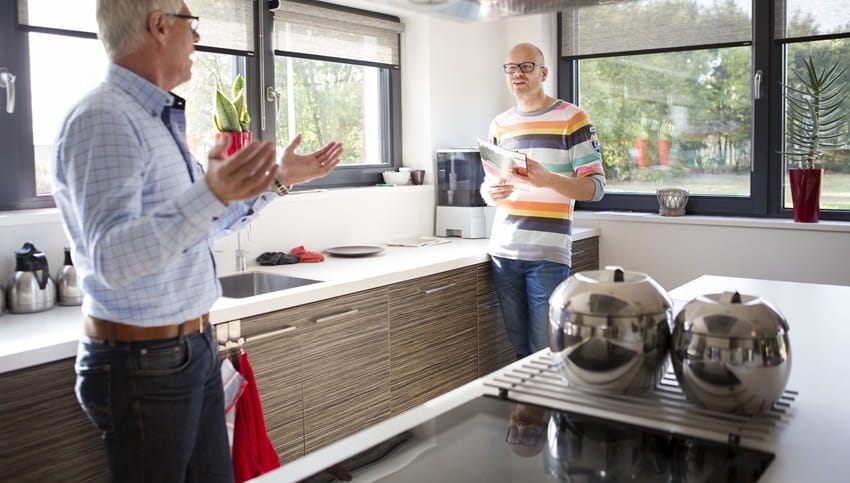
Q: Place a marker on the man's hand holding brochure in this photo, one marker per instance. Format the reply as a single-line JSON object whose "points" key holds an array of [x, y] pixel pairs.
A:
{"points": [[504, 165]]}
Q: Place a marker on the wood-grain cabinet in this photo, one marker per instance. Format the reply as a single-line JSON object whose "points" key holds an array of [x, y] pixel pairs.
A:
{"points": [[433, 337], [324, 370], [44, 434]]}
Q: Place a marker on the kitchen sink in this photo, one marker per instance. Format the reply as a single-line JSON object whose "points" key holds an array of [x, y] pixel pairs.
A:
{"points": [[247, 284]]}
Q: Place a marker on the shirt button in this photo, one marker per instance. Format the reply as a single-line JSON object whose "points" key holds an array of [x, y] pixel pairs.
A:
{"points": [[215, 218]]}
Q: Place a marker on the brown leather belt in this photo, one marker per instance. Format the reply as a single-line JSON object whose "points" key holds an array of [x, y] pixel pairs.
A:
{"points": [[100, 329]]}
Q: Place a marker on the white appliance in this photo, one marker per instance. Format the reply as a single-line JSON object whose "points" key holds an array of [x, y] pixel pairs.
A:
{"points": [[461, 211]]}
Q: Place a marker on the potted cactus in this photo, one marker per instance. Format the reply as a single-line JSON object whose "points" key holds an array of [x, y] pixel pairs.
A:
{"points": [[814, 120], [231, 116]]}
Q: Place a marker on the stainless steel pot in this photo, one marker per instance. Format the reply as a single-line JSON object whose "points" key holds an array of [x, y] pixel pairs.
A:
{"points": [[67, 283], [609, 330], [731, 352], [31, 289]]}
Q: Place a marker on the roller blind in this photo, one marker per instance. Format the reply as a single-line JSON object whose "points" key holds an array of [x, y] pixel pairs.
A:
{"points": [[225, 24], [320, 30], [640, 25], [810, 18]]}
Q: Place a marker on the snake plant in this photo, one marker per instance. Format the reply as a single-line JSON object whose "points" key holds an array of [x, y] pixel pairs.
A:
{"points": [[814, 113], [231, 114]]}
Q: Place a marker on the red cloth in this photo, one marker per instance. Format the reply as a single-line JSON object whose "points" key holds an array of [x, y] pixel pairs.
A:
{"points": [[306, 256], [253, 453]]}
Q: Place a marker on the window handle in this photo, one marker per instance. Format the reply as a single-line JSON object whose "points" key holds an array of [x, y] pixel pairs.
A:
{"points": [[757, 78], [7, 80]]}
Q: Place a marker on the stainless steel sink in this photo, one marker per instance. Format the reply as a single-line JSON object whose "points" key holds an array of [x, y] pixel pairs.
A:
{"points": [[247, 284]]}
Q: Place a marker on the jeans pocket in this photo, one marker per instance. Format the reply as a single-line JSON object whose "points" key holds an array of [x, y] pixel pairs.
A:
{"points": [[163, 359], [93, 389]]}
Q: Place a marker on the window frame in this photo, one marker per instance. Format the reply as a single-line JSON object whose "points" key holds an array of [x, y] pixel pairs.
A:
{"points": [[767, 172], [391, 149]]}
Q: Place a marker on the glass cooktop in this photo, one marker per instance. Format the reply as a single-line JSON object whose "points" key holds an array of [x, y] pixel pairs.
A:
{"points": [[493, 440]]}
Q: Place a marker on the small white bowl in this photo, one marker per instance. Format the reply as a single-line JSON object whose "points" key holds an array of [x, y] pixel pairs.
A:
{"points": [[396, 178]]}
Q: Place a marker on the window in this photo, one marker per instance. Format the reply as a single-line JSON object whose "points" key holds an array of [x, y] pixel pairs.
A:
{"points": [[671, 88], [336, 71], [336, 94]]}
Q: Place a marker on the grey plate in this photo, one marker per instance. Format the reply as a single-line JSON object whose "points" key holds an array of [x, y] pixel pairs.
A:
{"points": [[354, 250]]}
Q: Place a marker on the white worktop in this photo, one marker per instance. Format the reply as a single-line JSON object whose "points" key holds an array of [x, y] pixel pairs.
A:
{"points": [[30, 339], [809, 446]]}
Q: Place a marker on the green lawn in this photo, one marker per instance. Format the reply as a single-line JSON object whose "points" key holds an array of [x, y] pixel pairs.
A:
{"points": [[835, 193]]}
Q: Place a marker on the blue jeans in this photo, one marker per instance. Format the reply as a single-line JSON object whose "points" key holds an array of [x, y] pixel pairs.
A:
{"points": [[160, 406], [523, 289]]}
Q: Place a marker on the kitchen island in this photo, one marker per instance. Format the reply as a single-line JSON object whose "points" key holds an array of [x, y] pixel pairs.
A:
{"points": [[808, 441]]}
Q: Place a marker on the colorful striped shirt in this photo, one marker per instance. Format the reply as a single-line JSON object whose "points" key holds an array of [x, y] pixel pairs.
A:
{"points": [[534, 223]]}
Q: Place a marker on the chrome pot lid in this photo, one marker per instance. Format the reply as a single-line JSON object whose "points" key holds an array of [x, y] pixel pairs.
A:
{"points": [[612, 292], [732, 315]]}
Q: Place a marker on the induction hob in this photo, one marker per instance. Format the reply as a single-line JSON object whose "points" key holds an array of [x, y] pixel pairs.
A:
{"points": [[530, 427]]}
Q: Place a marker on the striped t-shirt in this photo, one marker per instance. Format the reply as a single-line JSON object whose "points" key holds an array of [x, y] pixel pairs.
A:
{"points": [[535, 224]]}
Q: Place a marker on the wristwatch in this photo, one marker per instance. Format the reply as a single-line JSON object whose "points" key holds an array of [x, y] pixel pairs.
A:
{"points": [[280, 188]]}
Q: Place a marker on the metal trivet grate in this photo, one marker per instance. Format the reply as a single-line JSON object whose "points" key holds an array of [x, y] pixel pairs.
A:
{"points": [[536, 380]]}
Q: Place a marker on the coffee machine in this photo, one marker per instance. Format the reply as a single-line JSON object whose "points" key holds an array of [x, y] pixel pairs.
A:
{"points": [[461, 211]]}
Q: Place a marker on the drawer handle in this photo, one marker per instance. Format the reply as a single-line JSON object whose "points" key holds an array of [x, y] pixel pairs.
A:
{"points": [[430, 291], [336, 316], [288, 328]]}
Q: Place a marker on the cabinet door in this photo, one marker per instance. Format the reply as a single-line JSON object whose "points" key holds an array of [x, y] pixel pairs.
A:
{"points": [[275, 357], [433, 336], [44, 434], [345, 354]]}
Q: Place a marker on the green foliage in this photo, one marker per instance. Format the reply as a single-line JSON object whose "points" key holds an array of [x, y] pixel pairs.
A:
{"points": [[324, 102], [231, 114], [815, 118]]}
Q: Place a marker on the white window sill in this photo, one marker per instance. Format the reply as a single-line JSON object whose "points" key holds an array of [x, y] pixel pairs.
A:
{"points": [[592, 217]]}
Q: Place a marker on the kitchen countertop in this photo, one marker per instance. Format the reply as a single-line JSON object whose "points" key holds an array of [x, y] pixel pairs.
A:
{"points": [[30, 339], [809, 445]]}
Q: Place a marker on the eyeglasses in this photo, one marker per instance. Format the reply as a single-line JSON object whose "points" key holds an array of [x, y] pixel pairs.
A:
{"points": [[525, 67], [525, 435], [193, 20]]}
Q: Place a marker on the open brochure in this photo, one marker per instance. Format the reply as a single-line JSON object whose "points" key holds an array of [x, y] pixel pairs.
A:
{"points": [[507, 166]]}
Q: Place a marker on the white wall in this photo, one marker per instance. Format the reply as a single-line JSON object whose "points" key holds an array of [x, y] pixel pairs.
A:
{"points": [[674, 251]]}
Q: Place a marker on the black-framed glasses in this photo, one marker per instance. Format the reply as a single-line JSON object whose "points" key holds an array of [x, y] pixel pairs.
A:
{"points": [[193, 20], [523, 434], [525, 67]]}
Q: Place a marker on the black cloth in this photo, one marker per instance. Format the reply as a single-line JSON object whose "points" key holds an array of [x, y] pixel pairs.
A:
{"points": [[277, 258]]}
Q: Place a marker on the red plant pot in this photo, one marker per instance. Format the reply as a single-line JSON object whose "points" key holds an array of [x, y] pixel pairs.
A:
{"points": [[237, 141], [663, 151], [805, 194]]}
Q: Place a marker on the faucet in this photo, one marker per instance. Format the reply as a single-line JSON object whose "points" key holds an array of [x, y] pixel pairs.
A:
{"points": [[241, 253]]}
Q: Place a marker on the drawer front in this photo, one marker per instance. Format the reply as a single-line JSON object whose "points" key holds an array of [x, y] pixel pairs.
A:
{"points": [[585, 255], [494, 349], [276, 361], [44, 434], [484, 275], [433, 336], [345, 352]]}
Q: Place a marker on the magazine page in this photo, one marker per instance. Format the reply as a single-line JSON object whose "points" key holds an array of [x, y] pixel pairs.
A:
{"points": [[505, 165]]}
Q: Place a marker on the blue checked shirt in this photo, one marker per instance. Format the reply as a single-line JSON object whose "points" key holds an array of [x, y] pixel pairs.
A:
{"points": [[137, 207]]}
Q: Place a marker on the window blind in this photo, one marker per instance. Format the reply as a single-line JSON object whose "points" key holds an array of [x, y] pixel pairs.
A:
{"points": [[225, 24], [810, 18], [628, 26], [322, 31]]}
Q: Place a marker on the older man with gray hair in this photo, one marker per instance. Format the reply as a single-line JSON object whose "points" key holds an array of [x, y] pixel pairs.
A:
{"points": [[142, 216]]}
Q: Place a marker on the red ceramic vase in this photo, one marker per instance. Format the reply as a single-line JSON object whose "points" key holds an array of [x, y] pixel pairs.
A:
{"points": [[805, 194], [237, 141]]}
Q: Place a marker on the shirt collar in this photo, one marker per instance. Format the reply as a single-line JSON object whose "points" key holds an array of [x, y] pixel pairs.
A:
{"points": [[150, 97]]}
